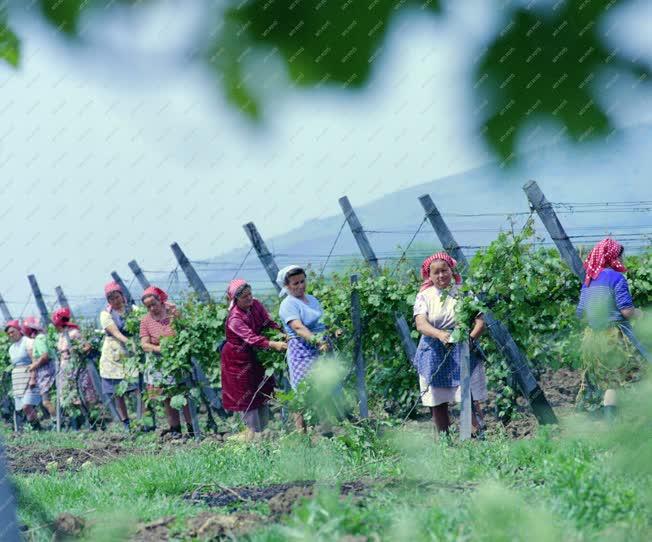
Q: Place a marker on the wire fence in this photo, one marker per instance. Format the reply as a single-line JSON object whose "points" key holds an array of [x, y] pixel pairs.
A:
{"points": [[216, 273]]}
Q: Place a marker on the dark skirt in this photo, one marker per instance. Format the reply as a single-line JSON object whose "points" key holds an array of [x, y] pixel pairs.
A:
{"points": [[244, 383]]}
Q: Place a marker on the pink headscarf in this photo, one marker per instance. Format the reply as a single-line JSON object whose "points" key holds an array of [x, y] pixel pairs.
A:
{"points": [[61, 318], [15, 324], [155, 291], [31, 323], [605, 254], [425, 269], [109, 288], [232, 290]]}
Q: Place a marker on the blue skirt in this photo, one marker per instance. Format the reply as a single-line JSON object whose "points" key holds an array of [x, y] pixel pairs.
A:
{"points": [[439, 364]]}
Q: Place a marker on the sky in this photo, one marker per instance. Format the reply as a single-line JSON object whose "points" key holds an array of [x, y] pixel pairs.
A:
{"points": [[113, 151]]}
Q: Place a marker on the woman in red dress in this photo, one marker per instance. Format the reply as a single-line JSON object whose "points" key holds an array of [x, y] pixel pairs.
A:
{"points": [[245, 388]]}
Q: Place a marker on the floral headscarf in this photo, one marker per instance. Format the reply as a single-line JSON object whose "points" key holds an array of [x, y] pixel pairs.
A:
{"points": [[604, 255]]}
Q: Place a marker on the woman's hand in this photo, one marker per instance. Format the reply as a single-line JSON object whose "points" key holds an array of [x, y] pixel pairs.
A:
{"points": [[86, 347], [33, 367], [324, 347], [278, 346], [444, 336]]}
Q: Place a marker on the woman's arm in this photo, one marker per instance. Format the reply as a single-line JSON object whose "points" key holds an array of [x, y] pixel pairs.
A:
{"points": [[478, 328], [147, 345], [242, 330], [301, 330], [631, 312], [426, 328]]}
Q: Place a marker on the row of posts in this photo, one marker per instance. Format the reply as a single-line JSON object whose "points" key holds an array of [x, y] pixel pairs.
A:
{"points": [[528, 385], [517, 361]]}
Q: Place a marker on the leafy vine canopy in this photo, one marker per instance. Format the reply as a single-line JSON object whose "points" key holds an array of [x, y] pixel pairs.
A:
{"points": [[544, 60]]}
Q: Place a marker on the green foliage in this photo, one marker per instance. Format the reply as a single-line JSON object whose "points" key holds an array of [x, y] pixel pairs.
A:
{"points": [[542, 64], [198, 332], [319, 43], [9, 42], [319, 397], [65, 15], [390, 378]]}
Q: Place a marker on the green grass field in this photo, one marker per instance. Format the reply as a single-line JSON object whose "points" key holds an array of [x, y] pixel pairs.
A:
{"points": [[583, 480]]}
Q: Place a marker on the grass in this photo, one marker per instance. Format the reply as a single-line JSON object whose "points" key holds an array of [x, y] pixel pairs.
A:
{"points": [[583, 481]]}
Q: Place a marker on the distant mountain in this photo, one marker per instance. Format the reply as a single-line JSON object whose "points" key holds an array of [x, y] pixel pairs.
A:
{"points": [[475, 205]]}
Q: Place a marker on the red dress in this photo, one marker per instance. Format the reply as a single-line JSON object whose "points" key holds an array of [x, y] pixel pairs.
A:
{"points": [[242, 373]]}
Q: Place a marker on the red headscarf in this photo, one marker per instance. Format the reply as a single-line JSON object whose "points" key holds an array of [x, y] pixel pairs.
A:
{"points": [[15, 324], [155, 291], [425, 269], [604, 255], [61, 318], [232, 290], [109, 288]]}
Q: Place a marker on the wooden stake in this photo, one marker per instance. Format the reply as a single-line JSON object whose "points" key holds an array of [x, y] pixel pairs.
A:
{"points": [[45, 319], [61, 297], [138, 272], [465, 390], [358, 356], [5, 310], [547, 214], [264, 255], [402, 327], [192, 276], [266, 258], [128, 297]]}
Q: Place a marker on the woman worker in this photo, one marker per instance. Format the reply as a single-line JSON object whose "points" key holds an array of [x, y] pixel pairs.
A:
{"points": [[42, 366], [245, 388], [115, 349], [26, 395], [437, 361], [155, 324], [608, 352]]}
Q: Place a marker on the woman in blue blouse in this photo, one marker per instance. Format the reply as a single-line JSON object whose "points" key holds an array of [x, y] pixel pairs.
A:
{"points": [[609, 347]]}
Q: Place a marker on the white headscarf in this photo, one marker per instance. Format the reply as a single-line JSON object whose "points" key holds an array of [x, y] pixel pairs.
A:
{"points": [[280, 278]]}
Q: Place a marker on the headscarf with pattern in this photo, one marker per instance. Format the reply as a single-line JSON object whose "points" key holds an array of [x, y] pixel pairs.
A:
{"points": [[604, 255]]}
